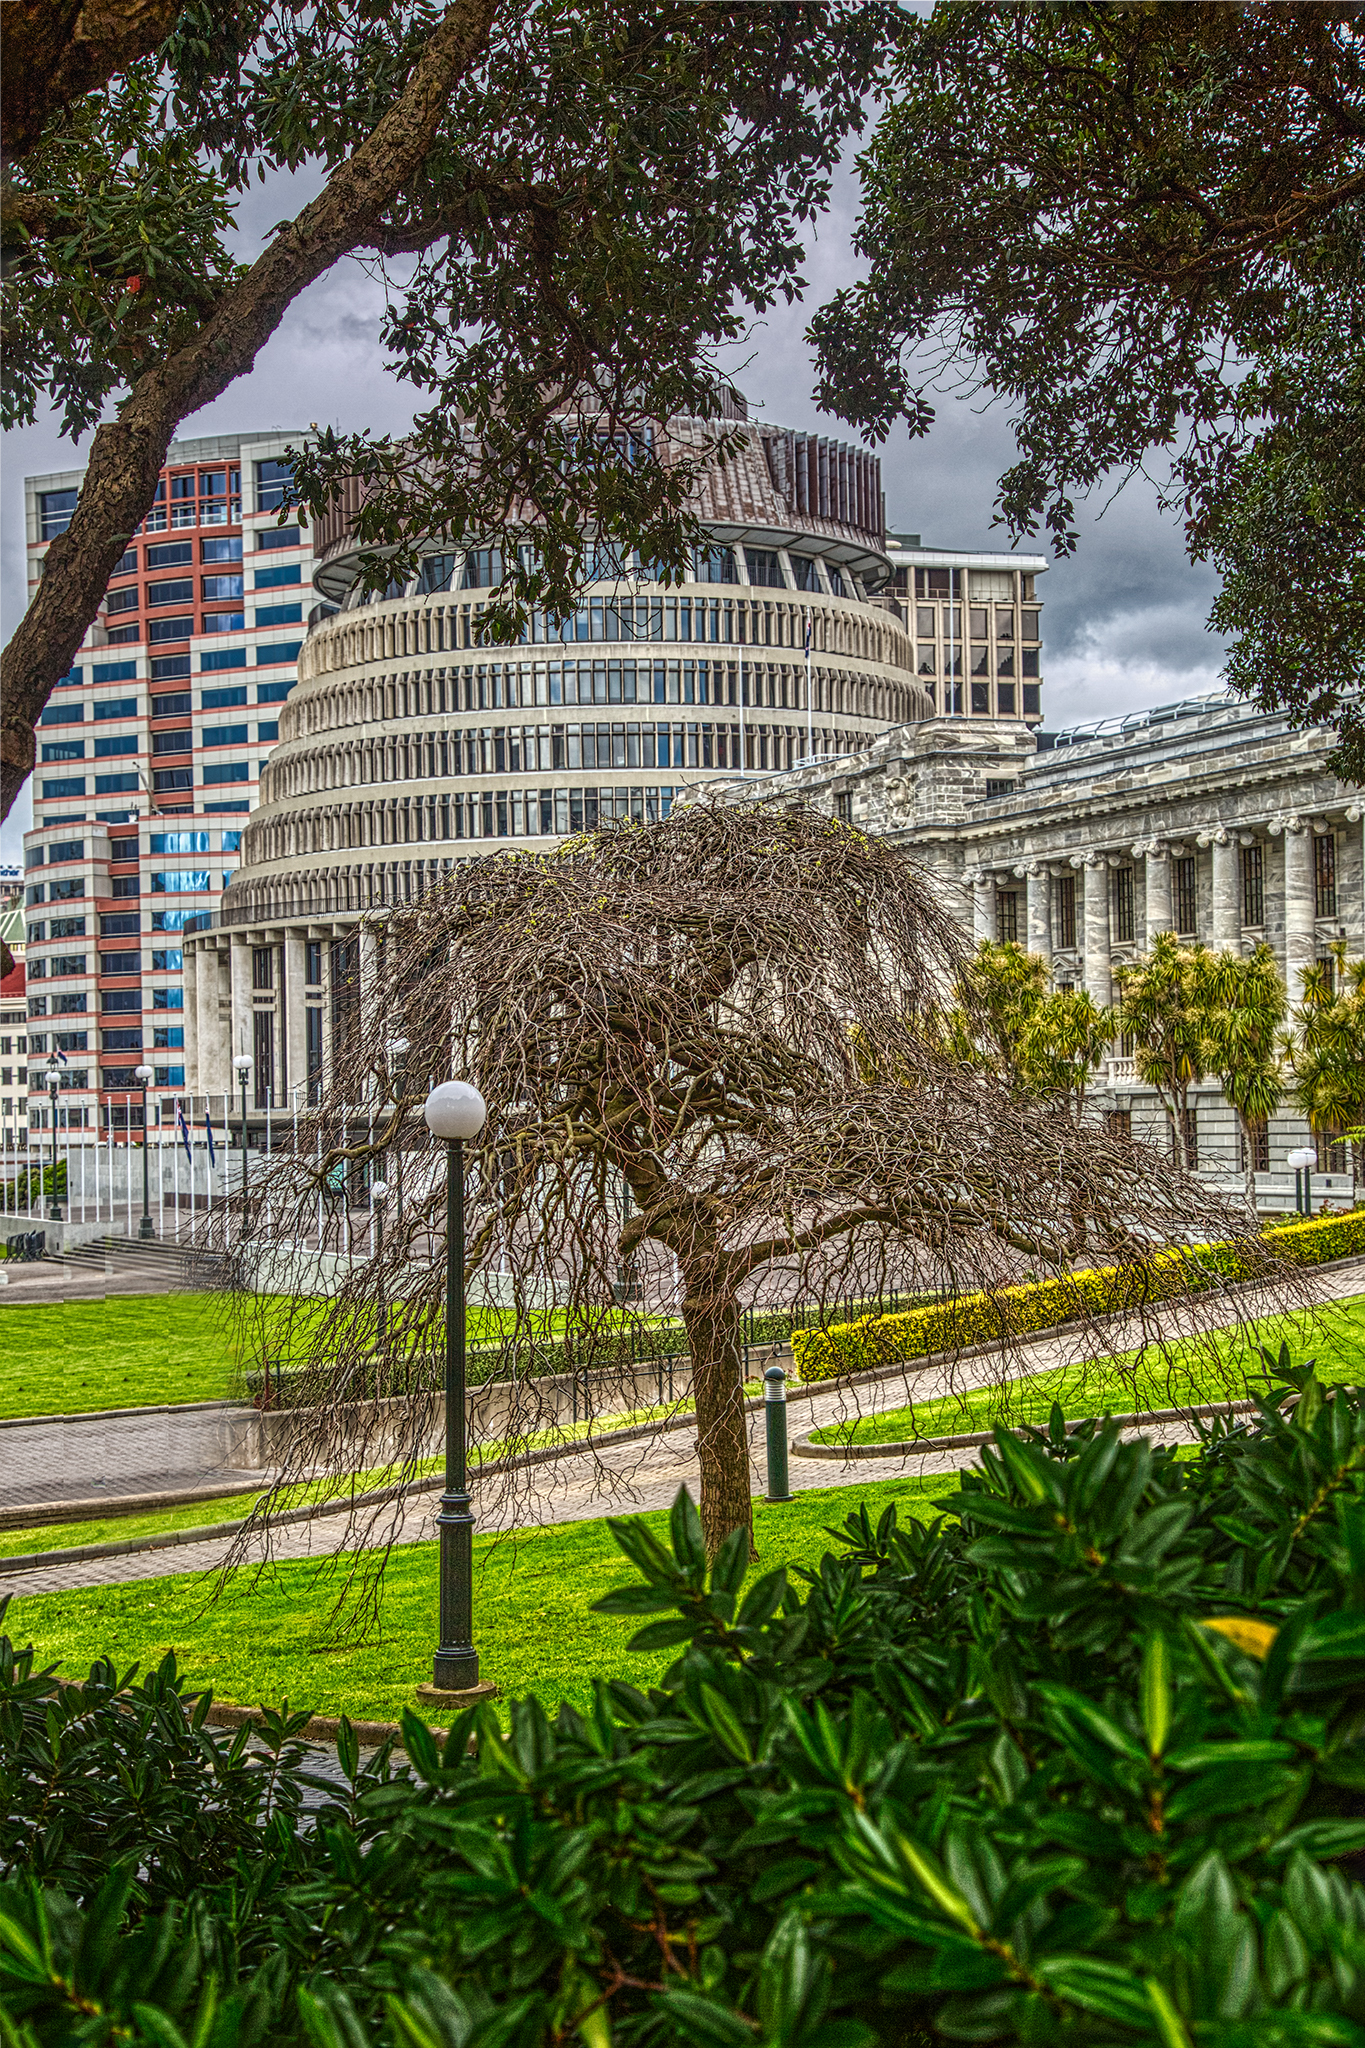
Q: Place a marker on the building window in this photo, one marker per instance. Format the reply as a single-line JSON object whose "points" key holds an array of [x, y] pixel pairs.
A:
{"points": [[263, 1055], [54, 512], [1325, 875], [1031, 700], [1253, 895], [263, 967], [981, 700], [1007, 917], [1119, 1123], [1123, 906], [1066, 911], [312, 963], [843, 806], [313, 1043], [1254, 1139], [1331, 1151], [274, 486], [1186, 892]]}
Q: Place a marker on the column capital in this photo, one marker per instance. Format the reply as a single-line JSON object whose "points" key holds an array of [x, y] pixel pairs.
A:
{"points": [[1354, 813], [1217, 835]]}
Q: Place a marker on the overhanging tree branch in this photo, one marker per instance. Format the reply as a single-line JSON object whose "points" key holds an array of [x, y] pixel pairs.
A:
{"points": [[127, 453]]}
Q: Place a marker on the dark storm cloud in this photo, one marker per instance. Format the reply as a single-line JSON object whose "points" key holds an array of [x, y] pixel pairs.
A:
{"points": [[1123, 617]]}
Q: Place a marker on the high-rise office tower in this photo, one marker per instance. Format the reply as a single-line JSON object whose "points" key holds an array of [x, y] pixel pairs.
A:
{"points": [[149, 758]]}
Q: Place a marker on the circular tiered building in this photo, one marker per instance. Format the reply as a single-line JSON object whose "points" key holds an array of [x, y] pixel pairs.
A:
{"points": [[409, 744]]}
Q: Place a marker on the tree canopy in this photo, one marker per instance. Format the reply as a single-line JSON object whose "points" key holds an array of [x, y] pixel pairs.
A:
{"points": [[581, 205], [1143, 227], [734, 1013]]}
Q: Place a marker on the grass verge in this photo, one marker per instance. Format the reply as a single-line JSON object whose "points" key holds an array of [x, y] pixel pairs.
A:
{"points": [[1128, 1382], [271, 1639]]}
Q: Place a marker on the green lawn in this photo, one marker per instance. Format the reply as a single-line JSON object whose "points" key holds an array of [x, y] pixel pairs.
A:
{"points": [[273, 1639], [1126, 1384], [127, 1351]]}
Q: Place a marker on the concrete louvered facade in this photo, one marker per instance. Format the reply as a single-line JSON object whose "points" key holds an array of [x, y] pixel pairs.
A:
{"points": [[410, 744]]}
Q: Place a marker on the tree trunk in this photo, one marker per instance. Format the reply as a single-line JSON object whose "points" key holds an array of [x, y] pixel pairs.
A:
{"points": [[1248, 1164], [711, 1317]]}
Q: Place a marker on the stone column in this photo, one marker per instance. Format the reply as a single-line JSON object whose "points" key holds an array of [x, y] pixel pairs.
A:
{"points": [[1098, 976], [1227, 908], [1157, 913], [983, 908], [1299, 904], [191, 1000], [293, 1040], [239, 1001], [1040, 915], [209, 1029]]}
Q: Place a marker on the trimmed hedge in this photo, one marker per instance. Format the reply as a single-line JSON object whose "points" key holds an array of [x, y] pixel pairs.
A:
{"points": [[873, 1341]]}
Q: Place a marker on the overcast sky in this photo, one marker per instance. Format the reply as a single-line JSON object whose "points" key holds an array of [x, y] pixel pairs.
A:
{"points": [[1123, 619]]}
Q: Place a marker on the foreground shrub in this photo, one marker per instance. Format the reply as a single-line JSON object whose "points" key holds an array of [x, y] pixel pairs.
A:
{"points": [[871, 1341], [1084, 1761]]}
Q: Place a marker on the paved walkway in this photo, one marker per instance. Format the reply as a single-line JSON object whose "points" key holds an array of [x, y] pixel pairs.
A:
{"points": [[631, 1478]]}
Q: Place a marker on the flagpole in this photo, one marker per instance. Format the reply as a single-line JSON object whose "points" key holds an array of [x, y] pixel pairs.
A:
{"points": [[810, 701]]}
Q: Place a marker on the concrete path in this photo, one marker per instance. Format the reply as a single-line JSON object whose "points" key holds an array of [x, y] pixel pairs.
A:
{"points": [[122, 1451], [631, 1478]]}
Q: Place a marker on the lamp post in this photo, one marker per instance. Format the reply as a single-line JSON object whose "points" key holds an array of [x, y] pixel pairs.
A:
{"points": [[1303, 1160], [454, 1111], [54, 1208], [396, 1048], [144, 1077], [379, 1194], [241, 1067]]}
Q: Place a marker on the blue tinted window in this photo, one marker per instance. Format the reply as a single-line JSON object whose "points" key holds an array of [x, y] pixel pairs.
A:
{"points": [[64, 750], [107, 743], [279, 574], [223, 700], [224, 736], [179, 842], [227, 771], [279, 615], [63, 714], [116, 707], [168, 960], [180, 881], [225, 657]]}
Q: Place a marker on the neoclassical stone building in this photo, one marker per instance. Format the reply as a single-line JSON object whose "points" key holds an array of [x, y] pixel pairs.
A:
{"points": [[1206, 818], [410, 744]]}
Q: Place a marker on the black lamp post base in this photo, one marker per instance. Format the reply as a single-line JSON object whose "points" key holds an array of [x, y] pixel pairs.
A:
{"points": [[145, 1229], [457, 1697]]}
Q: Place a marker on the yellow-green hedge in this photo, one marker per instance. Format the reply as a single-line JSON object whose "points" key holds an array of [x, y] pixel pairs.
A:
{"points": [[874, 1341]]}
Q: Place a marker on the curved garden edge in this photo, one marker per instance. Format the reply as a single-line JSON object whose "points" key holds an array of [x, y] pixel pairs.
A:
{"points": [[806, 1447]]}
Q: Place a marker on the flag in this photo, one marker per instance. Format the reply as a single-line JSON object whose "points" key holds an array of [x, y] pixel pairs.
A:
{"points": [[208, 1133], [184, 1131], [810, 625], [61, 1058]]}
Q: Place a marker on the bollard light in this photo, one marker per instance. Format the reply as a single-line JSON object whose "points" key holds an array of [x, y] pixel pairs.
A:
{"points": [[144, 1078], [775, 1420], [455, 1112]]}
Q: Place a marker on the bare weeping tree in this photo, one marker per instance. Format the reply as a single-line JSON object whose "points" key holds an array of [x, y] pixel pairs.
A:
{"points": [[713, 1073]]}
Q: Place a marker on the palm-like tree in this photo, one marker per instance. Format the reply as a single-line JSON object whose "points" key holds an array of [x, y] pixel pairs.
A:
{"points": [[1246, 1003], [1328, 1052], [1165, 1007]]}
